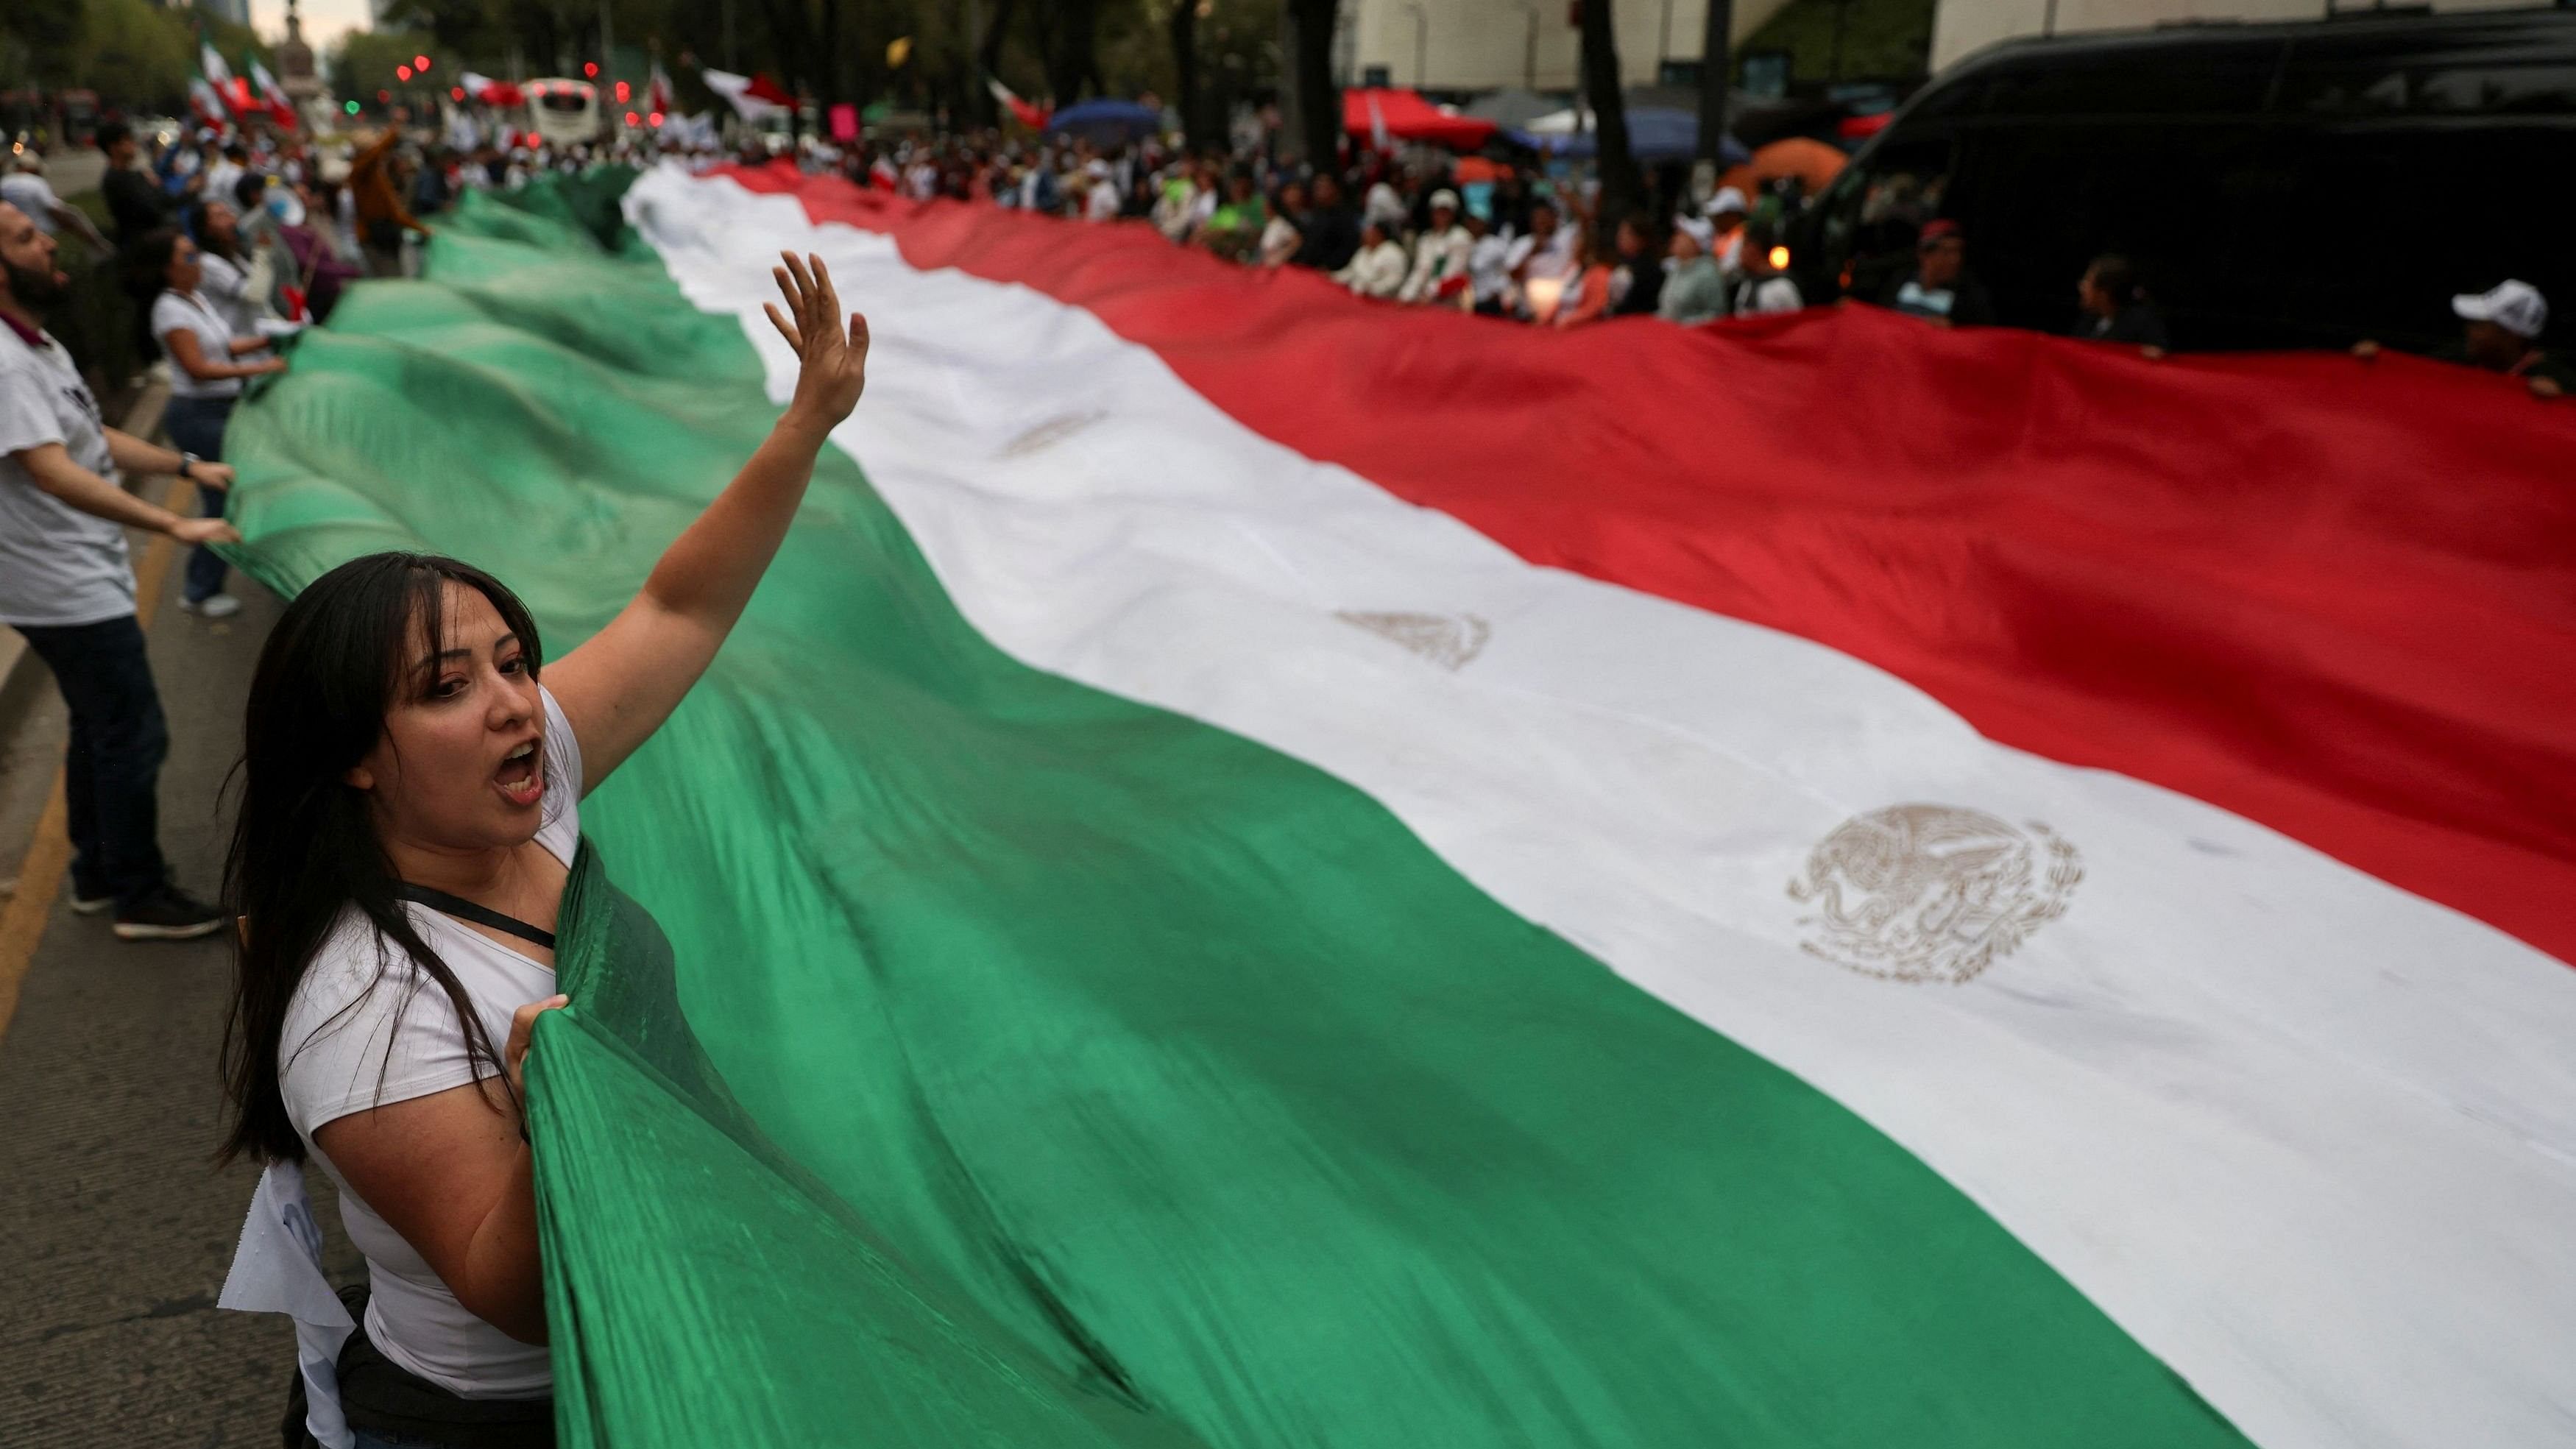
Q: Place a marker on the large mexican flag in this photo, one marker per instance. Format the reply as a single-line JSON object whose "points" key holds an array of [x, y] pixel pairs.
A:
{"points": [[1271, 871]]}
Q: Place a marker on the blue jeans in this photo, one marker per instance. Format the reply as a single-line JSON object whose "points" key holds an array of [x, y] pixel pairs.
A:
{"points": [[112, 771], [196, 425]]}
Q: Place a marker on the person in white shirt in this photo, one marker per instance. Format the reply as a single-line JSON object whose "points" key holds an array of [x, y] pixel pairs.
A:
{"points": [[225, 171], [1385, 206], [1377, 268], [409, 823], [1489, 266], [1284, 232], [67, 587], [1762, 289], [205, 381], [1541, 262], [26, 189], [1439, 255], [225, 265], [1173, 202], [1100, 200], [1725, 243]]}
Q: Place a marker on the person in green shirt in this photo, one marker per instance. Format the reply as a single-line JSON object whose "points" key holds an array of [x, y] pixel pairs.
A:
{"points": [[1235, 228]]}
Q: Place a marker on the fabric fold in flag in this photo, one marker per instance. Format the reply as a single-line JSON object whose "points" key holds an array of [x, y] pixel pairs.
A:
{"points": [[1174, 941]]}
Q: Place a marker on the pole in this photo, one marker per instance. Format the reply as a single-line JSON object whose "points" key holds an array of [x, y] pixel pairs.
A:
{"points": [[1716, 66], [1529, 50], [1292, 134], [607, 51], [731, 62], [1421, 41]]}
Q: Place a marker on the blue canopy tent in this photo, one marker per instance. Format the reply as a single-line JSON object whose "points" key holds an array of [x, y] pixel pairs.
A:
{"points": [[1655, 133], [1107, 122]]}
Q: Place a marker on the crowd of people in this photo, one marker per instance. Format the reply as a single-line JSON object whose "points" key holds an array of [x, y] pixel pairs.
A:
{"points": [[1428, 229], [1509, 238]]}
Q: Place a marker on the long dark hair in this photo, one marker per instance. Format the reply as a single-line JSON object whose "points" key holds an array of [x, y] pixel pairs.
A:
{"points": [[148, 266], [304, 847], [201, 230]]}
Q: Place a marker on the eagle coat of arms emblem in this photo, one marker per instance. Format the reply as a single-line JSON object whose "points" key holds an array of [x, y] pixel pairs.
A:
{"points": [[1932, 892]]}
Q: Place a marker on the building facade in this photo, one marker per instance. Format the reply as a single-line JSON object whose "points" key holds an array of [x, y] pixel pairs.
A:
{"points": [[1477, 45], [1962, 27]]}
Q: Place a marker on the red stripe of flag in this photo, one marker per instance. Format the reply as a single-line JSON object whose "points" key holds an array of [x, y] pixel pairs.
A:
{"points": [[2336, 598]]}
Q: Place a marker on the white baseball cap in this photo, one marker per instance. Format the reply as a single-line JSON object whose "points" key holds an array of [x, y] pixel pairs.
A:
{"points": [[1444, 197], [1699, 230], [1727, 199], [2515, 306]]}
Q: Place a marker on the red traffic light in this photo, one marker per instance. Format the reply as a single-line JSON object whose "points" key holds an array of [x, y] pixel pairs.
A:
{"points": [[621, 92], [590, 69], [631, 118], [420, 62], [402, 72], [654, 119], [384, 95], [456, 93]]}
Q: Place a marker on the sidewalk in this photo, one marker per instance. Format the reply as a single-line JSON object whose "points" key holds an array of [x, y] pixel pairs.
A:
{"points": [[115, 1229]]}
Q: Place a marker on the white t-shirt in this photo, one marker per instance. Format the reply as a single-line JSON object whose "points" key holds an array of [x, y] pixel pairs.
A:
{"points": [[221, 178], [31, 194], [195, 313], [226, 284], [1101, 202], [58, 565], [346, 1048]]}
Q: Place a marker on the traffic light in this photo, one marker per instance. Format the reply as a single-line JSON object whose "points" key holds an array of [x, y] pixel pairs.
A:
{"points": [[420, 62], [590, 69], [622, 93], [352, 106], [631, 118], [456, 93]]}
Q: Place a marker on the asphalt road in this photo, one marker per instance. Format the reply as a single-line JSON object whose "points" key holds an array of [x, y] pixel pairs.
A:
{"points": [[115, 1226]]}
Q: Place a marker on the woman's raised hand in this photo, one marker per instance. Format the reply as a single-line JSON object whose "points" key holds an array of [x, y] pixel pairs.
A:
{"points": [[835, 359]]}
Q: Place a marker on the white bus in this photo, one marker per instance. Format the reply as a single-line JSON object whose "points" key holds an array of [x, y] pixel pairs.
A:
{"points": [[563, 111]]}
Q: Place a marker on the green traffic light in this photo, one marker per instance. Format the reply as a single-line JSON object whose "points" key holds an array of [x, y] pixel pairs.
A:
{"points": [[350, 106]]}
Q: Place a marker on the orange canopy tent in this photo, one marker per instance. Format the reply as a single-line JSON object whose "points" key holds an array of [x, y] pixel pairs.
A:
{"points": [[1814, 163], [1406, 116]]}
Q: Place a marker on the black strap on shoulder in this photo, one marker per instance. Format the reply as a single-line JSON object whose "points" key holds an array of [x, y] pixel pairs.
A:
{"points": [[463, 909]]}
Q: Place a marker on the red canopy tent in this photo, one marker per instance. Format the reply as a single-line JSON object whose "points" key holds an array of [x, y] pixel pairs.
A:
{"points": [[1406, 116]]}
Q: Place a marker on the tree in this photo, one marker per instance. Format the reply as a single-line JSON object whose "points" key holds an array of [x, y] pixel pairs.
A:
{"points": [[40, 41], [988, 58], [1319, 101], [1185, 71], [1622, 189], [1072, 34], [364, 63], [1716, 71]]}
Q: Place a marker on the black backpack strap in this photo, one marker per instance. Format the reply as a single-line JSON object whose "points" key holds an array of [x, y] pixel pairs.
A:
{"points": [[465, 910]]}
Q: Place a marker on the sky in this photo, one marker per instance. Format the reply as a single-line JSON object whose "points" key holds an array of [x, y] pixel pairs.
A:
{"points": [[324, 20]]}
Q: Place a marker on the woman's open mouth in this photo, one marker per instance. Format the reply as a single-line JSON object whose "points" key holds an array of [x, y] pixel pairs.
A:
{"points": [[519, 780]]}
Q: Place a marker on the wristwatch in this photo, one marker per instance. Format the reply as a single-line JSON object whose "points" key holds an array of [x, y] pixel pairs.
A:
{"points": [[187, 465]]}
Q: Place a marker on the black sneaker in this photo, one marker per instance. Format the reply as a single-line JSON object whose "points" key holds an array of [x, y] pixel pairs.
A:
{"points": [[168, 914]]}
